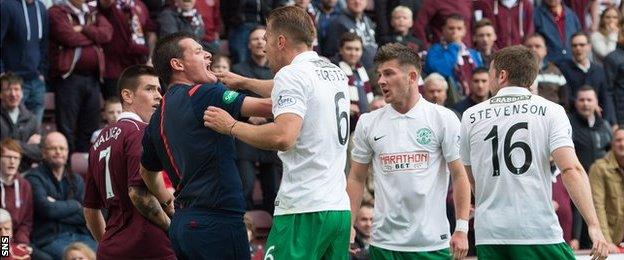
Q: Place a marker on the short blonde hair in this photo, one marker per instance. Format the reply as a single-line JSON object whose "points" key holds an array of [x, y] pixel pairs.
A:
{"points": [[77, 246], [401, 8]]}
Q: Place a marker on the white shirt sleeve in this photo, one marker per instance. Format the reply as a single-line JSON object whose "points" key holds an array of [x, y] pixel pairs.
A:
{"points": [[451, 136], [289, 94], [464, 141], [362, 151], [560, 134]]}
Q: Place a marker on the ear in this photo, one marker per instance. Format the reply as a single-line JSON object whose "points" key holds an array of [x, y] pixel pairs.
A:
{"points": [[127, 96], [281, 42], [502, 76], [176, 64], [413, 77]]}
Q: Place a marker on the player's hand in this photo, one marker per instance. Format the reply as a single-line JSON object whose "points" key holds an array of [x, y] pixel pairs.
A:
{"points": [[218, 119], [34, 139], [459, 245], [231, 79], [574, 244], [613, 248], [600, 247]]}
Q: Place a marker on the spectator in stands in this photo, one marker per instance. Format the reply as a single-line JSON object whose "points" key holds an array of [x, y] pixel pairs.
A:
{"points": [[353, 20], [211, 16], [249, 158], [432, 18], [485, 38], [581, 71], [181, 17], [551, 83], [451, 57], [24, 48], [401, 25], [112, 110], [384, 15], [16, 250], [326, 11], [220, 64], [133, 40], [596, 8], [512, 19], [605, 39], [16, 191], [479, 90], [364, 229], [77, 61], [607, 185], [239, 17], [57, 196], [592, 137], [435, 89], [360, 89], [556, 23], [17, 122], [614, 67], [78, 251]]}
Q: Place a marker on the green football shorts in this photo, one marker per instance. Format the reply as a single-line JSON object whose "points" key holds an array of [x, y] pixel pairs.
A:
{"points": [[384, 254], [559, 251]]}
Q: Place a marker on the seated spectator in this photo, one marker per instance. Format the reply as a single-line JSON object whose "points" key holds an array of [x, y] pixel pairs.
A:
{"points": [[353, 20], [182, 17], [614, 67], [581, 71], [57, 196], [363, 231], [326, 11], [484, 39], [16, 250], [256, 250], [360, 89], [605, 39], [250, 158], [551, 84], [16, 122], [17, 195], [607, 185], [479, 91], [451, 57], [556, 23], [435, 89], [78, 251], [432, 18], [220, 64], [591, 137], [512, 19], [401, 23], [77, 34], [210, 13], [112, 110]]}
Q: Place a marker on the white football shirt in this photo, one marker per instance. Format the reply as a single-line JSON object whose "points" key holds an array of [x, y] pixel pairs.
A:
{"points": [[409, 153], [507, 140], [314, 178]]}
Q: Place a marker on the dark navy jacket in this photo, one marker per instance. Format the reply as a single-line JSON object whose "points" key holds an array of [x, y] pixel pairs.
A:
{"points": [[545, 25]]}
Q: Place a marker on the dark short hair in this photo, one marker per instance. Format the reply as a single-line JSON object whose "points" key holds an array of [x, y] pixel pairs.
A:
{"points": [[112, 100], [580, 33], [257, 27], [11, 78], [534, 35], [482, 23], [130, 76], [349, 37], [294, 22], [168, 48], [519, 62], [454, 16], [480, 70], [396, 51], [366, 205], [586, 88]]}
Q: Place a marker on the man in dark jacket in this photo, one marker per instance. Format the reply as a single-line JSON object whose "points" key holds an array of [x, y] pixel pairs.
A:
{"points": [[556, 22], [16, 122], [57, 196], [24, 45], [77, 68], [614, 66], [592, 138], [182, 17], [581, 71]]}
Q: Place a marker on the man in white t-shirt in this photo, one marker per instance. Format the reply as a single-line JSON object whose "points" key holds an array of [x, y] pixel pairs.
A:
{"points": [[506, 143], [311, 128], [410, 143]]}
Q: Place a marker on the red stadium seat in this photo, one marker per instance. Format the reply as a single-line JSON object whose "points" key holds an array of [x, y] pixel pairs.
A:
{"points": [[263, 221], [80, 163]]}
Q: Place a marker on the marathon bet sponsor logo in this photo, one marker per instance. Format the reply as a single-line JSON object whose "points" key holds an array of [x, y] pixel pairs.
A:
{"points": [[285, 101], [509, 99], [229, 96], [393, 162], [423, 136]]}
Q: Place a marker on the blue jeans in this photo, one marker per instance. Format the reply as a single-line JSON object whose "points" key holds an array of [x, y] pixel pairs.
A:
{"points": [[61, 241], [237, 42], [34, 96]]}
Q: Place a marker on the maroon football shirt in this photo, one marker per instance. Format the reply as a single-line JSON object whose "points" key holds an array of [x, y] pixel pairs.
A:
{"points": [[114, 161]]}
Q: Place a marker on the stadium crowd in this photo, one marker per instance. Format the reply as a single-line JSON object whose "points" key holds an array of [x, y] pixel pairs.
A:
{"points": [[61, 61]]}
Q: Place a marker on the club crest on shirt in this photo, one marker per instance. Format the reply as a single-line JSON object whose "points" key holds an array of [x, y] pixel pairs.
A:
{"points": [[229, 96], [423, 136], [392, 162]]}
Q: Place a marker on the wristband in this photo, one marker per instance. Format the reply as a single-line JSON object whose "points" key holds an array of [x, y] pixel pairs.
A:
{"points": [[232, 127], [461, 225]]}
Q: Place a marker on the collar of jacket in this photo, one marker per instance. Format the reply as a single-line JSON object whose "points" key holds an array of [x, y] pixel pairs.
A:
{"points": [[599, 119], [24, 114], [612, 163]]}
